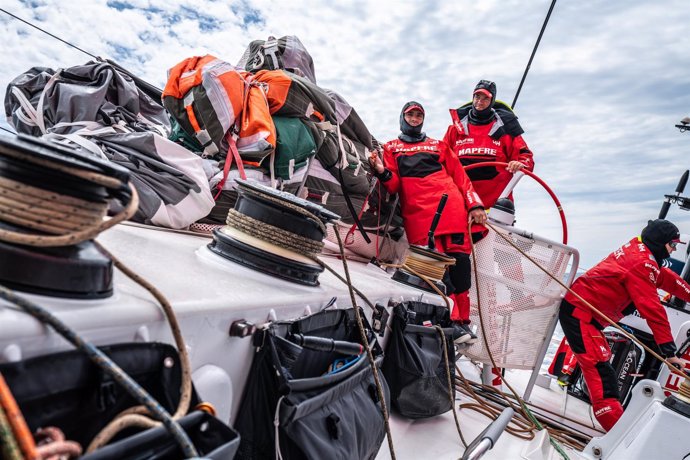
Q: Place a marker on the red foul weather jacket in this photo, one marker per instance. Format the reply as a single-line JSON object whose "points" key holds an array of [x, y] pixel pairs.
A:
{"points": [[494, 141], [421, 172], [629, 274]]}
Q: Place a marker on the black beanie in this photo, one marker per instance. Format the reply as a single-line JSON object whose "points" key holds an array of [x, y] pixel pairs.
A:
{"points": [[411, 133], [479, 117], [657, 234]]}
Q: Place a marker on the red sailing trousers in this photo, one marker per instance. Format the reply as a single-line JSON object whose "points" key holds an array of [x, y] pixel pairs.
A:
{"points": [[593, 354]]}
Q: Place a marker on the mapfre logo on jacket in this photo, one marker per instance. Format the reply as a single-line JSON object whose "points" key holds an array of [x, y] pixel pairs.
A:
{"points": [[397, 146]]}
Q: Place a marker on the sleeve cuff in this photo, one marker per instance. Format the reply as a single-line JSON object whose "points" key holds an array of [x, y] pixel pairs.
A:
{"points": [[667, 349], [385, 176]]}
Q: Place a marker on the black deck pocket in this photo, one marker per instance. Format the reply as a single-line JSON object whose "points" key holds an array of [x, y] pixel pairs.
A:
{"points": [[212, 439], [414, 365], [325, 402], [68, 391]]}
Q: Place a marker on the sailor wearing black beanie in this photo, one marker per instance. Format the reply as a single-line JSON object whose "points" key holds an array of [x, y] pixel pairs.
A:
{"points": [[483, 99], [658, 235]]}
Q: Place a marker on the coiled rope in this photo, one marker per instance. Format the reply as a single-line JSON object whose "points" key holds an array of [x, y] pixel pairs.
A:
{"points": [[272, 234], [431, 271], [68, 219]]}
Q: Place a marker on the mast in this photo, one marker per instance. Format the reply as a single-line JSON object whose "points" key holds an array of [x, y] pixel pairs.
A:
{"points": [[534, 51]]}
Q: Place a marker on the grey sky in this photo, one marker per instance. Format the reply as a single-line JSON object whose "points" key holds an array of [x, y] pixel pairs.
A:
{"points": [[608, 83]]}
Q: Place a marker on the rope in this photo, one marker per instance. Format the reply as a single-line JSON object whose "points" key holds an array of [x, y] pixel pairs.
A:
{"points": [[69, 236], [272, 234], [50, 212], [527, 413], [22, 434], [135, 416], [430, 271], [67, 219], [107, 365], [433, 270], [8, 130], [51, 445], [450, 383], [491, 401], [367, 346], [684, 391], [48, 33], [8, 444]]}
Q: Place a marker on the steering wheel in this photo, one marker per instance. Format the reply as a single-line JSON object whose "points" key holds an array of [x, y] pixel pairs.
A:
{"points": [[516, 178]]}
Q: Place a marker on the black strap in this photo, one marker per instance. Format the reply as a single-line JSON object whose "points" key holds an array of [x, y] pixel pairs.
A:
{"points": [[350, 206]]}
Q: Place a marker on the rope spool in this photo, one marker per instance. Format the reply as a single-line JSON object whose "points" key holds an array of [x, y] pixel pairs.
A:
{"points": [[54, 196], [53, 199], [274, 232], [423, 263], [684, 390]]}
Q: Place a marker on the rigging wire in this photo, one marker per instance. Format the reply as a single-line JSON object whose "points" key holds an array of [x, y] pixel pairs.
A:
{"points": [[534, 51], [48, 33]]}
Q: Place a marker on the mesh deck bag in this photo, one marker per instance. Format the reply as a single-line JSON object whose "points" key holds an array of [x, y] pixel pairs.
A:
{"points": [[519, 302], [320, 413], [414, 366]]}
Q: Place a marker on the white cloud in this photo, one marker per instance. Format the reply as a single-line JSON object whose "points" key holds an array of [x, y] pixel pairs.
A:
{"points": [[605, 89]]}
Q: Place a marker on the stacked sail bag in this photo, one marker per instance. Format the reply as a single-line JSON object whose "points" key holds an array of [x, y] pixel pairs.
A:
{"points": [[99, 108], [339, 179]]}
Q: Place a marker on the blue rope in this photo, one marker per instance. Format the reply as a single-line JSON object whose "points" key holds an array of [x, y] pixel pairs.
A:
{"points": [[106, 364]]}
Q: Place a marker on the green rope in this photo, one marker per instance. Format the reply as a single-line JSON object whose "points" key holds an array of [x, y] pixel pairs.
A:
{"points": [[10, 448]]}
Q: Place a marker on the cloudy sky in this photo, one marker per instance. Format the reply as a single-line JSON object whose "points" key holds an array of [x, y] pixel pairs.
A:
{"points": [[607, 86]]}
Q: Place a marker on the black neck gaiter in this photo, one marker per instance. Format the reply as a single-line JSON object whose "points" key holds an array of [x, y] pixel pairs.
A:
{"points": [[410, 133], [482, 117]]}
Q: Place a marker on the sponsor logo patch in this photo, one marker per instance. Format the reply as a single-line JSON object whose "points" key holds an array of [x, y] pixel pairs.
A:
{"points": [[478, 151], [603, 410]]}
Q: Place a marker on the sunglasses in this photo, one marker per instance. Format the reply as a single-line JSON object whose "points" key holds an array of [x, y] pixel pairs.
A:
{"points": [[673, 244]]}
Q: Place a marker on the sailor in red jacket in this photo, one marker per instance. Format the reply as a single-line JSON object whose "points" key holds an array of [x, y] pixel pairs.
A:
{"points": [[483, 132], [626, 280], [421, 169]]}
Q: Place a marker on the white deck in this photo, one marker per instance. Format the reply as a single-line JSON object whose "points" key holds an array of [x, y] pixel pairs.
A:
{"points": [[208, 293], [438, 438]]}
